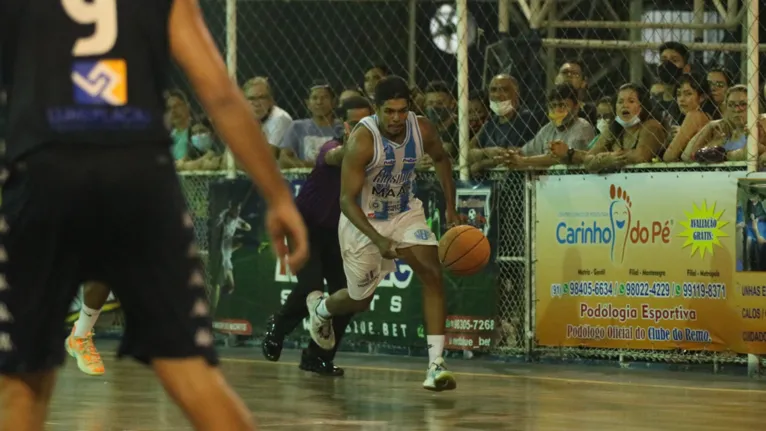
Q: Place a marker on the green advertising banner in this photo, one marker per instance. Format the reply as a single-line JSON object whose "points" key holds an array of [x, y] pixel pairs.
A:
{"points": [[240, 251]]}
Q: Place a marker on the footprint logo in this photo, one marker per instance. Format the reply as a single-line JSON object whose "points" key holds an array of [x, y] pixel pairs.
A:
{"points": [[619, 215]]}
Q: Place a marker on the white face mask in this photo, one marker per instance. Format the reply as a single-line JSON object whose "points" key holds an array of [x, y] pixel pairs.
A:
{"points": [[628, 124], [602, 125], [501, 108]]}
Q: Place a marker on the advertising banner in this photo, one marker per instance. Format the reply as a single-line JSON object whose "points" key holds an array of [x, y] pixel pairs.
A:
{"points": [[639, 261], [750, 245], [250, 284]]}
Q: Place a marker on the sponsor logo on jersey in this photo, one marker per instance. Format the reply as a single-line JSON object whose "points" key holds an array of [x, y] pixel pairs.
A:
{"points": [[101, 82]]}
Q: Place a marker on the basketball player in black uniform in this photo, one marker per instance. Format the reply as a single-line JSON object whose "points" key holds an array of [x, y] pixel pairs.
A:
{"points": [[92, 194]]}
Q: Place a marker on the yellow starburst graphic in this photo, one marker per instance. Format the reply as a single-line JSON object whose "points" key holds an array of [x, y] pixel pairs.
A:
{"points": [[703, 229]]}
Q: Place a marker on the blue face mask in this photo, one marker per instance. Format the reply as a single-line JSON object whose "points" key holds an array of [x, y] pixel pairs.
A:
{"points": [[202, 142]]}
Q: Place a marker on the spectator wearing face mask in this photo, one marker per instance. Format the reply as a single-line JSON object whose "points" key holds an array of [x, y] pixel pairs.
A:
{"points": [[440, 107], [509, 126], [565, 126], [674, 62], [179, 120], [204, 152], [604, 118], [636, 136]]}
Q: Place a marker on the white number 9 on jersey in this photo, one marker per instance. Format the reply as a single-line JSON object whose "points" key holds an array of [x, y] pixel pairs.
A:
{"points": [[102, 14]]}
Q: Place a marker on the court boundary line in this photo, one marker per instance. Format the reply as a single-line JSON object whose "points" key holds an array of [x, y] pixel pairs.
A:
{"points": [[516, 377]]}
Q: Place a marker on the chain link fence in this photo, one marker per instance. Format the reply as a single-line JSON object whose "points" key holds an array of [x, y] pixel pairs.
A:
{"points": [[595, 46]]}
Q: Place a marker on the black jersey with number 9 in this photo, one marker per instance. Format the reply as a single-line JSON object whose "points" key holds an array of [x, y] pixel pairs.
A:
{"points": [[84, 71]]}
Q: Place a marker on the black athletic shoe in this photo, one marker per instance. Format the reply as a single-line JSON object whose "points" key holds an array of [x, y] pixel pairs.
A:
{"points": [[316, 364], [272, 342]]}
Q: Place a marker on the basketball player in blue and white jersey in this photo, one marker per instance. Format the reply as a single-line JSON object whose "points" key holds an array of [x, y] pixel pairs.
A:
{"points": [[382, 220]]}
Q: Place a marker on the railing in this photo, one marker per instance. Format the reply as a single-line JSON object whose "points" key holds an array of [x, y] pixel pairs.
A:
{"points": [[516, 258]]}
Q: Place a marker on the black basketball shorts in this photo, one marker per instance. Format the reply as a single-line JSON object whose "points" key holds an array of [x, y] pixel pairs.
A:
{"points": [[74, 213], [325, 262]]}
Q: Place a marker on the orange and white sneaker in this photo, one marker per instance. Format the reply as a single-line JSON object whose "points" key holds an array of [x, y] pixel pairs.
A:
{"points": [[84, 351]]}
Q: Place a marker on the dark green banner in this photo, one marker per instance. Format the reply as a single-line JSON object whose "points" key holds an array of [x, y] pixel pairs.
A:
{"points": [[260, 285]]}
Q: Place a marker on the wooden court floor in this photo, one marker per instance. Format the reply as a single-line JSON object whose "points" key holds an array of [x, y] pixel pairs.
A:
{"points": [[383, 393]]}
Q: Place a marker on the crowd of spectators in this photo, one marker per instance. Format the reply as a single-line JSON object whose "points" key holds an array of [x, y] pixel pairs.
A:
{"points": [[687, 115]]}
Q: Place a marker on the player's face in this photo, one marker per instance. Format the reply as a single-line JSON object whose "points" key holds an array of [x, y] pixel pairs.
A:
{"points": [[392, 115]]}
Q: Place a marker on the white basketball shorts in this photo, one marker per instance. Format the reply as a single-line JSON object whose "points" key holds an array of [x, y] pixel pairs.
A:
{"points": [[365, 268]]}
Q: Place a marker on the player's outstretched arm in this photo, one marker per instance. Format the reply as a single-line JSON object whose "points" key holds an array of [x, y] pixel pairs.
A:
{"points": [[359, 152], [432, 145], [194, 50]]}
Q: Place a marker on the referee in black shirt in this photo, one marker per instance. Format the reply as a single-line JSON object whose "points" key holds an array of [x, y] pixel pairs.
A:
{"points": [[319, 204]]}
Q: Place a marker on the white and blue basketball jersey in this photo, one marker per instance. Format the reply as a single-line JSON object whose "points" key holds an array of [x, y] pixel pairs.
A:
{"points": [[388, 190]]}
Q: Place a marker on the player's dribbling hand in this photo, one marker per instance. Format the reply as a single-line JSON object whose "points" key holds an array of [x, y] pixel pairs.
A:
{"points": [[284, 222], [387, 248]]}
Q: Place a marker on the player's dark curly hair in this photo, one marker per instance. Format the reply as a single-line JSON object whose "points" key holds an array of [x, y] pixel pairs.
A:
{"points": [[391, 87]]}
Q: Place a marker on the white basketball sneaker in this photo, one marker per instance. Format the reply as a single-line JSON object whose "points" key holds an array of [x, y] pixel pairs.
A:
{"points": [[438, 378], [320, 328]]}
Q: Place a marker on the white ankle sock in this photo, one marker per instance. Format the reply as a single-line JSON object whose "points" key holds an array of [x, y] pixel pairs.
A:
{"points": [[84, 324], [322, 309], [435, 347]]}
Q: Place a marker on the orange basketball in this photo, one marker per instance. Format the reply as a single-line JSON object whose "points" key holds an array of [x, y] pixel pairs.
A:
{"points": [[464, 250]]}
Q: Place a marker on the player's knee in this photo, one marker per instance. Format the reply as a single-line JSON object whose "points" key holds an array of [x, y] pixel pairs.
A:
{"points": [[361, 299]]}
